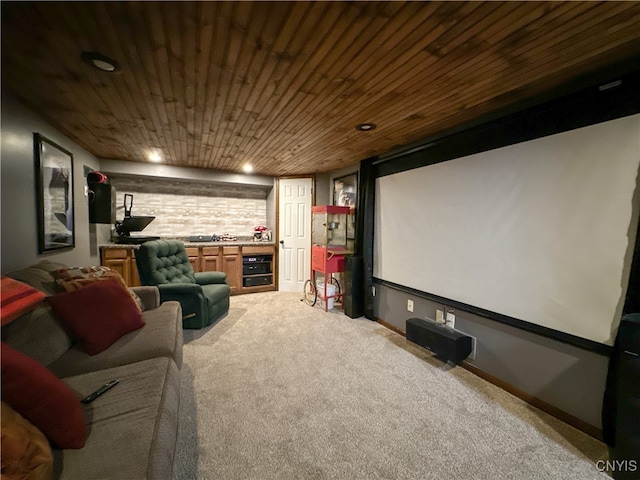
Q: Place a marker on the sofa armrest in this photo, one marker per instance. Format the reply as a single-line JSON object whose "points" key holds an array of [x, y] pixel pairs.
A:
{"points": [[150, 296], [208, 278], [172, 289]]}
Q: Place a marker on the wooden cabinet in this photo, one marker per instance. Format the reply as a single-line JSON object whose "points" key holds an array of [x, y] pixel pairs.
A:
{"points": [[210, 260], [194, 257], [258, 268], [123, 261], [232, 266], [230, 259]]}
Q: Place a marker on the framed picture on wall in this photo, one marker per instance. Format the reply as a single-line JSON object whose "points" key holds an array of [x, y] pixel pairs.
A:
{"points": [[345, 191], [54, 188], [345, 194]]}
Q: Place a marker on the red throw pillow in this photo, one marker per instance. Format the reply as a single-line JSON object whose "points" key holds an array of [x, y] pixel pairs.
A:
{"points": [[98, 314], [17, 298], [43, 399]]}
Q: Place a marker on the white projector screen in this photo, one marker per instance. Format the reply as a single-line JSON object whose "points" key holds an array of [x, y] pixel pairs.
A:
{"points": [[541, 231]]}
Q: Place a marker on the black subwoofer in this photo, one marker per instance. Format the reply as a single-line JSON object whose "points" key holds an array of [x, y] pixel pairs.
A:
{"points": [[354, 286], [446, 343]]}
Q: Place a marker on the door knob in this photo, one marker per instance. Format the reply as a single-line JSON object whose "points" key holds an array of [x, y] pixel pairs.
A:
{"points": [[282, 242]]}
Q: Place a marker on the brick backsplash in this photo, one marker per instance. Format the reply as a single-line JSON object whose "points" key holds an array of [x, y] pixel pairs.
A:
{"points": [[186, 208]]}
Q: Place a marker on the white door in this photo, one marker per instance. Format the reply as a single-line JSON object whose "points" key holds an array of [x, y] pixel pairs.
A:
{"points": [[294, 233]]}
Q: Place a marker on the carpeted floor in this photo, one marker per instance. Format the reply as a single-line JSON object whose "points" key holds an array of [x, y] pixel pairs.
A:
{"points": [[280, 390]]}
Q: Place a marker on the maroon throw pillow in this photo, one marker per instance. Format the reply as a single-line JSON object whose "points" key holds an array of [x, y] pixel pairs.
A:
{"points": [[98, 314], [43, 399]]}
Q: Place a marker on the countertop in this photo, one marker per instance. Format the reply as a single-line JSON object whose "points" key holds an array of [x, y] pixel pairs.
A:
{"points": [[238, 243]]}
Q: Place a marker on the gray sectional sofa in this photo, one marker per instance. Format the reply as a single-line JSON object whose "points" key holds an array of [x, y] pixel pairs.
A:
{"points": [[132, 429]]}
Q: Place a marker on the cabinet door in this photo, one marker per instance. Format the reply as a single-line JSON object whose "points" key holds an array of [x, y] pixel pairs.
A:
{"points": [[211, 259], [119, 260], [232, 266], [122, 266], [210, 264], [134, 280], [194, 257]]}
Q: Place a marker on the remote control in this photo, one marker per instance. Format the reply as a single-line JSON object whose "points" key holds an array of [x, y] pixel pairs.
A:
{"points": [[91, 397]]}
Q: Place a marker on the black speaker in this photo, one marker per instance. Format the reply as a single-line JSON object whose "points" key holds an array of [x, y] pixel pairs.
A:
{"points": [[353, 286], [621, 404], [446, 343], [100, 201]]}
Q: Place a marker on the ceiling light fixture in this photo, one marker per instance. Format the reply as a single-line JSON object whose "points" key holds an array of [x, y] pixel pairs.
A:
{"points": [[247, 168], [365, 127], [155, 156], [100, 62]]}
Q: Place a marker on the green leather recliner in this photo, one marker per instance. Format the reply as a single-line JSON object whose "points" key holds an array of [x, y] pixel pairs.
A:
{"points": [[204, 296]]}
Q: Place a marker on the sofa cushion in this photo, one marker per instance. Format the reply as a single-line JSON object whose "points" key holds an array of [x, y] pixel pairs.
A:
{"points": [[98, 314], [39, 335], [149, 296], [133, 426], [40, 397], [17, 298], [39, 276], [25, 450], [161, 336]]}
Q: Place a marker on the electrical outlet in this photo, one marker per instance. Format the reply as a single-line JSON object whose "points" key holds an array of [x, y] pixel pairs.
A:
{"points": [[439, 316], [410, 305], [450, 320]]}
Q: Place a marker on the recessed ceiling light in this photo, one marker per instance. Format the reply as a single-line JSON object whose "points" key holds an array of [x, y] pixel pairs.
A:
{"points": [[155, 156], [247, 168], [365, 127], [100, 62]]}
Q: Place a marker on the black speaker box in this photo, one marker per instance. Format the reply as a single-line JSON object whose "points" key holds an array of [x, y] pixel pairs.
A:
{"points": [[446, 343], [257, 281], [100, 202], [354, 286]]}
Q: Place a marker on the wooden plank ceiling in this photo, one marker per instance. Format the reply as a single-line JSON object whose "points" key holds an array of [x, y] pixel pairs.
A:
{"points": [[282, 85]]}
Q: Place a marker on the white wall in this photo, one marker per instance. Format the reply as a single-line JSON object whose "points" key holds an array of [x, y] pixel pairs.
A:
{"points": [[19, 239]]}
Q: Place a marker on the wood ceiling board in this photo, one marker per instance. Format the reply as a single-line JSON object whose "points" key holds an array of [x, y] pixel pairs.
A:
{"points": [[282, 84]]}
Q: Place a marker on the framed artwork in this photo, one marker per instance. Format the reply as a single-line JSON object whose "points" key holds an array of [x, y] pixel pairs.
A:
{"points": [[345, 194], [54, 188], [345, 191]]}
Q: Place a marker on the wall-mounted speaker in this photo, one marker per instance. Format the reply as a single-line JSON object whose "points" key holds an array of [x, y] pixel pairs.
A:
{"points": [[101, 198]]}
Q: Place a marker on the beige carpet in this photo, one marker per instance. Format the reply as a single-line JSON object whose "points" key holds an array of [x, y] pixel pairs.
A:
{"points": [[280, 390]]}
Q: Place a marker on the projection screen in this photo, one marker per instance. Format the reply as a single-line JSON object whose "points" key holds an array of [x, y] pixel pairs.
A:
{"points": [[540, 231]]}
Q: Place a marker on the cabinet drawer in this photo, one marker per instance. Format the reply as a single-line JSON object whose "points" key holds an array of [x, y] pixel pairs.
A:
{"points": [[251, 250], [115, 253], [230, 250], [210, 251], [192, 251]]}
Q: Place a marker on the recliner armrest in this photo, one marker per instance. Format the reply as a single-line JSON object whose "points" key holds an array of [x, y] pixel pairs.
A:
{"points": [[179, 288], [208, 278]]}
